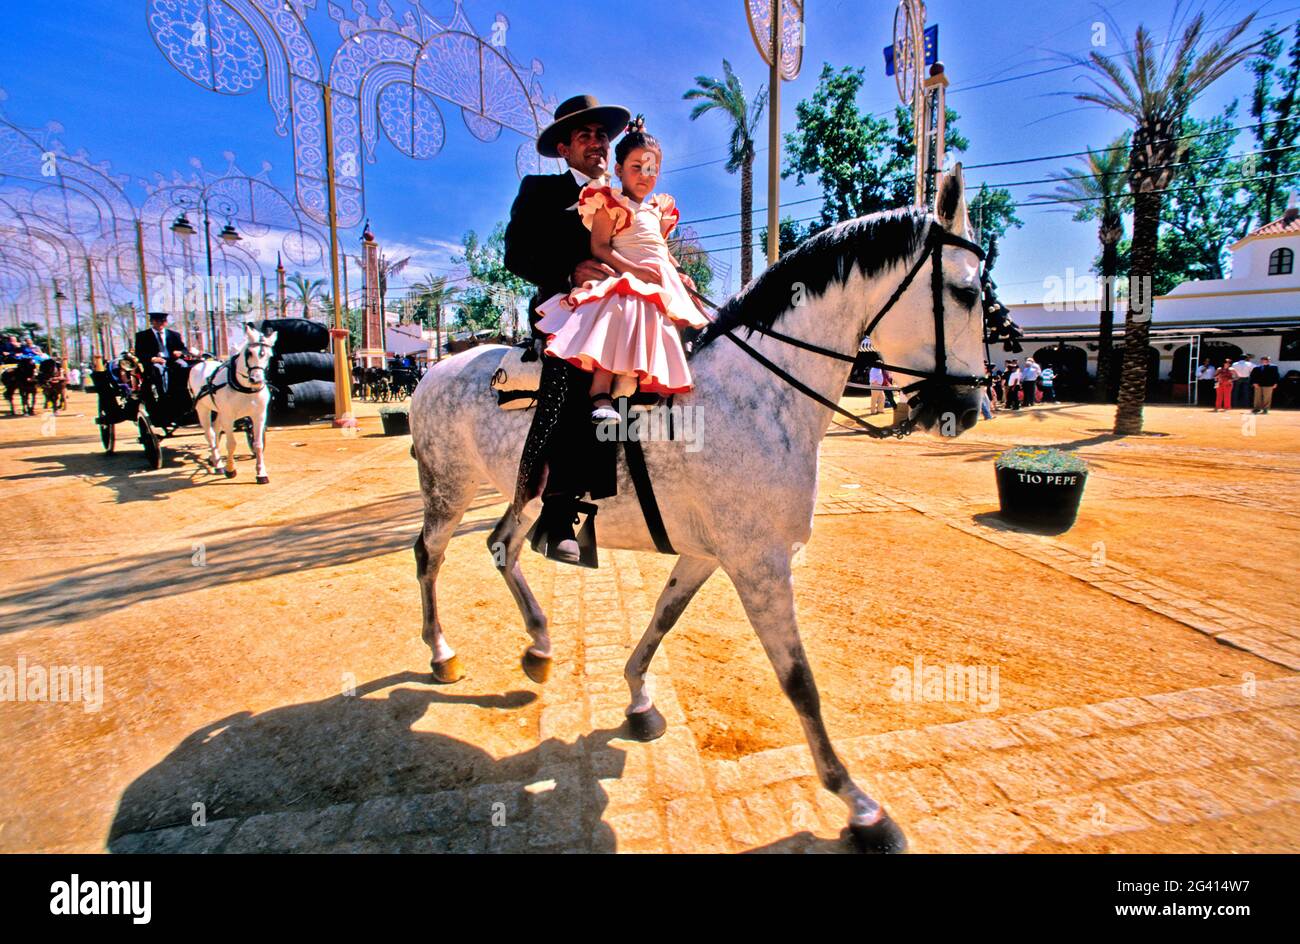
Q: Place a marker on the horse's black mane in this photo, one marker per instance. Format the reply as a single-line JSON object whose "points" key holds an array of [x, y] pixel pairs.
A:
{"points": [[872, 244]]}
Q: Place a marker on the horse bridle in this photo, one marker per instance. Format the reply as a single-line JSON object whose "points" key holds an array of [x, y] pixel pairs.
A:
{"points": [[936, 238], [232, 376]]}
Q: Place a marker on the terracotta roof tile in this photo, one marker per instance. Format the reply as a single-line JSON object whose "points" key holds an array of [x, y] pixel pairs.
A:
{"points": [[1278, 227]]}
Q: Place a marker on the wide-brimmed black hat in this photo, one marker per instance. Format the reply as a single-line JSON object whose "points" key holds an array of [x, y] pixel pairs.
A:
{"points": [[158, 316], [577, 111]]}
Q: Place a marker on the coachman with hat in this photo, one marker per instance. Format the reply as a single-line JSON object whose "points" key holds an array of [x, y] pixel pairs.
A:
{"points": [[546, 244], [162, 351]]}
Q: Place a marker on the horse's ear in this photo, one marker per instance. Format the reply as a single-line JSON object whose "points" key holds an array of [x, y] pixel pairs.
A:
{"points": [[270, 338], [950, 202]]}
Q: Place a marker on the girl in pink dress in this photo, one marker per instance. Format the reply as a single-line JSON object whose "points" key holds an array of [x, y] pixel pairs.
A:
{"points": [[624, 329]]}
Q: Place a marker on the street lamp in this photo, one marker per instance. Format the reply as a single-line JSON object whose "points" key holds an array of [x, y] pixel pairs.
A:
{"points": [[385, 77], [59, 299], [182, 227]]}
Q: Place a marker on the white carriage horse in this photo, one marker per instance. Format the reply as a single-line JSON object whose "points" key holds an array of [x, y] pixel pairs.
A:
{"points": [[745, 500], [225, 391]]}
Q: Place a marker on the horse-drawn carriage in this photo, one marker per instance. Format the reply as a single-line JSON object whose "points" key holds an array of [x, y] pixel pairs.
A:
{"points": [[129, 394], [383, 385]]}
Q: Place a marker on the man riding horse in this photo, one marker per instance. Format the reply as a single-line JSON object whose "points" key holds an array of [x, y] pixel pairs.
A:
{"points": [[547, 244]]}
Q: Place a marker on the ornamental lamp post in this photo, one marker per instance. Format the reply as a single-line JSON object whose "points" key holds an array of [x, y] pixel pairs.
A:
{"points": [[777, 28], [230, 236], [385, 76], [59, 299]]}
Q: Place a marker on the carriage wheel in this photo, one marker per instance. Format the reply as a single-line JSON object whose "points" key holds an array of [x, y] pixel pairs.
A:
{"points": [[151, 443], [107, 434]]}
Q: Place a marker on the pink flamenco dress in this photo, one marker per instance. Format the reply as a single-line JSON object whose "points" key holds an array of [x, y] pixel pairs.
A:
{"points": [[623, 324]]}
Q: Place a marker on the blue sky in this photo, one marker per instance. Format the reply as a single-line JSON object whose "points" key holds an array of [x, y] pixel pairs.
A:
{"points": [[92, 66]]}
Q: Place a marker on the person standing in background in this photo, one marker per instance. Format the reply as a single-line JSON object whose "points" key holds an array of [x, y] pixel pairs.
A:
{"points": [[1048, 383], [1241, 386], [1262, 381], [1029, 381], [1205, 382], [1013, 385], [877, 381], [1224, 380]]}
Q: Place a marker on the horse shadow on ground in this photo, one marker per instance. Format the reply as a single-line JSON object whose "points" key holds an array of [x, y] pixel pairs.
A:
{"points": [[223, 556], [351, 774]]}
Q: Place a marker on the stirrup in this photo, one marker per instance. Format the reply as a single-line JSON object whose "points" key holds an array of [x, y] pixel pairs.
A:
{"points": [[539, 534]]}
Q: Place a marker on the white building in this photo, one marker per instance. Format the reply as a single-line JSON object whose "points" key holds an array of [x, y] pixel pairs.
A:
{"points": [[1255, 311]]}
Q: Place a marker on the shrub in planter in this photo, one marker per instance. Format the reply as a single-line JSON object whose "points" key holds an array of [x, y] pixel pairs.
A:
{"points": [[396, 420], [1040, 486]]}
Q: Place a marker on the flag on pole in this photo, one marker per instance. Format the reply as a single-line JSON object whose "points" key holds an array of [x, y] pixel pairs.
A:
{"points": [[931, 49]]}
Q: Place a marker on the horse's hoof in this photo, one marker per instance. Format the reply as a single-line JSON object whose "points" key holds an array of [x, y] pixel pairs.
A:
{"points": [[230, 473], [537, 668], [444, 673], [648, 725], [263, 480], [882, 836]]}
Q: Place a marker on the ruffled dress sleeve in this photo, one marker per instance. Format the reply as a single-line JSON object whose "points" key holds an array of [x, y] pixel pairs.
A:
{"points": [[668, 215], [596, 199]]}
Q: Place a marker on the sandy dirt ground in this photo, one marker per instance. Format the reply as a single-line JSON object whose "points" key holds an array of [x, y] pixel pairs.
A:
{"points": [[265, 686]]}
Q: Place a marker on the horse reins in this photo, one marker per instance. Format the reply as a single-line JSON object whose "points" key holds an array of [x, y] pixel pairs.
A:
{"points": [[936, 239]]}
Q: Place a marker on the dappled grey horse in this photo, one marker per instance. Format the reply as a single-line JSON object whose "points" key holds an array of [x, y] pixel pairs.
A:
{"points": [[741, 496]]}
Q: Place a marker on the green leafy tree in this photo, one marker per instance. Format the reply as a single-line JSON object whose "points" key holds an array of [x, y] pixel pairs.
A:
{"points": [[727, 96], [864, 164], [992, 213], [685, 246], [431, 295], [1097, 189], [1274, 106], [1154, 90], [493, 289], [849, 153], [1208, 209], [790, 235], [903, 164]]}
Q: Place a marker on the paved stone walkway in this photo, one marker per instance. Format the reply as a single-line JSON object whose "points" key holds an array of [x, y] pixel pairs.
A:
{"points": [[1053, 780], [1278, 642], [1044, 780]]}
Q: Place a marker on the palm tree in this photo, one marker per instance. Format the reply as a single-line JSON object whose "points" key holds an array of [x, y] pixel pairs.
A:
{"points": [[307, 289], [1154, 92], [1098, 191], [388, 268], [728, 95], [430, 294]]}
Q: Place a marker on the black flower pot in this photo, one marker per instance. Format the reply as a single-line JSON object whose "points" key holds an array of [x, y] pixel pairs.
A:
{"points": [[1042, 499], [396, 424]]}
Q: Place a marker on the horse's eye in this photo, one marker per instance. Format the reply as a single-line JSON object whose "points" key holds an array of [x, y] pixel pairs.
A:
{"points": [[965, 294]]}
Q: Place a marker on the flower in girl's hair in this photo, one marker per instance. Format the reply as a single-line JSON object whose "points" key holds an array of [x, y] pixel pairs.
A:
{"points": [[636, 124]]}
